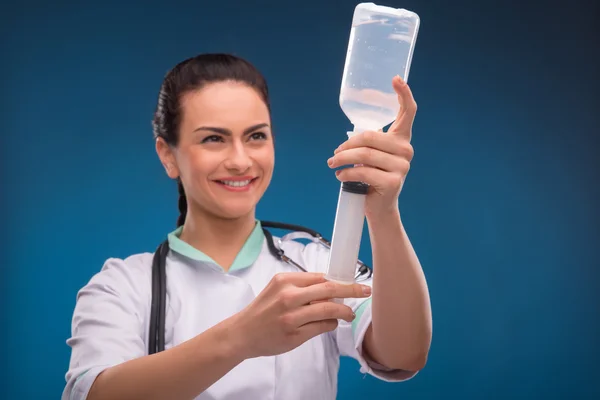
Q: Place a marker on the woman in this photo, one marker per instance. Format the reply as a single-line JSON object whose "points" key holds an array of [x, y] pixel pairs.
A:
{"points": [[239, 323]]}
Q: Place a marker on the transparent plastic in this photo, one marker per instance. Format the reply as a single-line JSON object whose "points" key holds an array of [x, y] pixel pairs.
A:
{"points": [[345, 242], [382, 42], [381, 46]]}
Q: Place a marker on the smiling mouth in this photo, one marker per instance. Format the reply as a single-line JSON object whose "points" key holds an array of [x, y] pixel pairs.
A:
{"points": [[236, 184]]}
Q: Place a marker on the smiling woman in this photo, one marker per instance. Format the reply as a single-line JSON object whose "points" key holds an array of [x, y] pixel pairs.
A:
{"points": [[224, 135], [234, 312], [212, 129]]}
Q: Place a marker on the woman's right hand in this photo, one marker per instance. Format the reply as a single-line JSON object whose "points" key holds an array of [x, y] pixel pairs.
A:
{"points": [[293, 308]]}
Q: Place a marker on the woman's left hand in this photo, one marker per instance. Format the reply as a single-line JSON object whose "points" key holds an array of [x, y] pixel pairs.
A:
{"points": [[383, 158]]}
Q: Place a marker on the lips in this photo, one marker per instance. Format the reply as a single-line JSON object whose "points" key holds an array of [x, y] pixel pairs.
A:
{"points": [[236, 184]]}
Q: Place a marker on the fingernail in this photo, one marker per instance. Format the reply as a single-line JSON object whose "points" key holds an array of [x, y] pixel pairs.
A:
{"points": [[353, 316], [367, 290], [330, 162], [337, 150]]}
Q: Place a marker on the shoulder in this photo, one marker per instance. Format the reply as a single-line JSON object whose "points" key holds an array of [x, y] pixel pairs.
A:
{"points": [[136, 266], [116, 299], [122, 276]]}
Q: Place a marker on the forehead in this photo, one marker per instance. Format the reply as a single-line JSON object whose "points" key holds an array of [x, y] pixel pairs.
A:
{"points": [[225, 104]]}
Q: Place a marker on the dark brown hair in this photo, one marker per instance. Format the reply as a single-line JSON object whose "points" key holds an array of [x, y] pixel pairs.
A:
{"points": [[190, 75]]}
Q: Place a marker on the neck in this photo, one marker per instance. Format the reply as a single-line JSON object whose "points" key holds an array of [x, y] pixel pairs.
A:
{"points": [[219, 238]]}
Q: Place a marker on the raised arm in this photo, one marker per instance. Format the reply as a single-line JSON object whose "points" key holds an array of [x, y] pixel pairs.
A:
{"points": [[401, 330]]}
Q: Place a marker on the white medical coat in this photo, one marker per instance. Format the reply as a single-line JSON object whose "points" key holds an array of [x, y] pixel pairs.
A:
{"points": [[111, 321]]}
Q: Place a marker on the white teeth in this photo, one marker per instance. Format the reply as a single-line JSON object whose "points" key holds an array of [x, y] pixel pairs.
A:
{"points": [[237, 183]]}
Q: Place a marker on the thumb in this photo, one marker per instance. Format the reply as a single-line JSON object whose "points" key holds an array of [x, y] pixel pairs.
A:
{"points": [[407, 111]]}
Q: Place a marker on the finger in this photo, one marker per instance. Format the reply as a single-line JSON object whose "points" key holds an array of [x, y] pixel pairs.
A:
{"points": [[366, 156], [299, 279], [379, 141], [408, 109], [372, 176], [320, 312], [313, 329], [331, 290]]}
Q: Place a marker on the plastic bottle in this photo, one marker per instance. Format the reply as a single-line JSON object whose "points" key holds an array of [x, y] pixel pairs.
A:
{"points": [[381, 46]]}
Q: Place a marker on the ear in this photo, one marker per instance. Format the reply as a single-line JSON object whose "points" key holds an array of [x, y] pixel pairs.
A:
{"points": [[167, 158]]}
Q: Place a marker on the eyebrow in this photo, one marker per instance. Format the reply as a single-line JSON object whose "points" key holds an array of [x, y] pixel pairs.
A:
{"points": [[227, 132]]}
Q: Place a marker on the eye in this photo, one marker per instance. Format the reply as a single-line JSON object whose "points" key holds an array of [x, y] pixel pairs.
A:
{"points": [[212, 138], [258, 136]]}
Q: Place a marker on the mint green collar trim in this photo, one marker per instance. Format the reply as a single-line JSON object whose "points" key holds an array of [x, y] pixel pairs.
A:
{"points": [[245, 258], [359, 312]]}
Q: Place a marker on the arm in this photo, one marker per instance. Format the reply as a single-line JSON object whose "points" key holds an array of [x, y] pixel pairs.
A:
{"points": [[400, 334], [184, 371], [109, 355], [109, 359], [181, 372]]}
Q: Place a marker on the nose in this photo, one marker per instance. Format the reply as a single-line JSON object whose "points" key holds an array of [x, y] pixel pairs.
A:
{"points": [[238, 159]]}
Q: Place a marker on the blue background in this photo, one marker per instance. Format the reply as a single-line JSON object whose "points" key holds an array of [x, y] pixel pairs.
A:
{"points": [[501, 203]]}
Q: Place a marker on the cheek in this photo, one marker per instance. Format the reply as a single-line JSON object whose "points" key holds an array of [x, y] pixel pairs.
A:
{"points": [[198, 165], [266, 158]]}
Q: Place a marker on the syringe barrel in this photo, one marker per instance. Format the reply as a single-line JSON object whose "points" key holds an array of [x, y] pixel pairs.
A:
{"points": [[347, 233]]}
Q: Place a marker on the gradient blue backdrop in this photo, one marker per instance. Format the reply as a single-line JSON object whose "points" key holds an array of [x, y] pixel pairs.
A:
{"points": [[501, 202]]}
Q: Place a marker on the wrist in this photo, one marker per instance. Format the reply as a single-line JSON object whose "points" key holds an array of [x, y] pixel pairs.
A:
{"points": [[384, 215], [234, 339], [222, 342]]}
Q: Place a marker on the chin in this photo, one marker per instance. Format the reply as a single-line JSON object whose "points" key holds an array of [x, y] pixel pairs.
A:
{"points": [[235, 211]]}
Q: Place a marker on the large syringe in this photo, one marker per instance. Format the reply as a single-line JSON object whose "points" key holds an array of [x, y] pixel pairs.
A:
{"points": [[381, 45]]}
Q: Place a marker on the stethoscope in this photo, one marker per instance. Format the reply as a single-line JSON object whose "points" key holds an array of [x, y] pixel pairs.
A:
{"points": [[159, 274]]}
